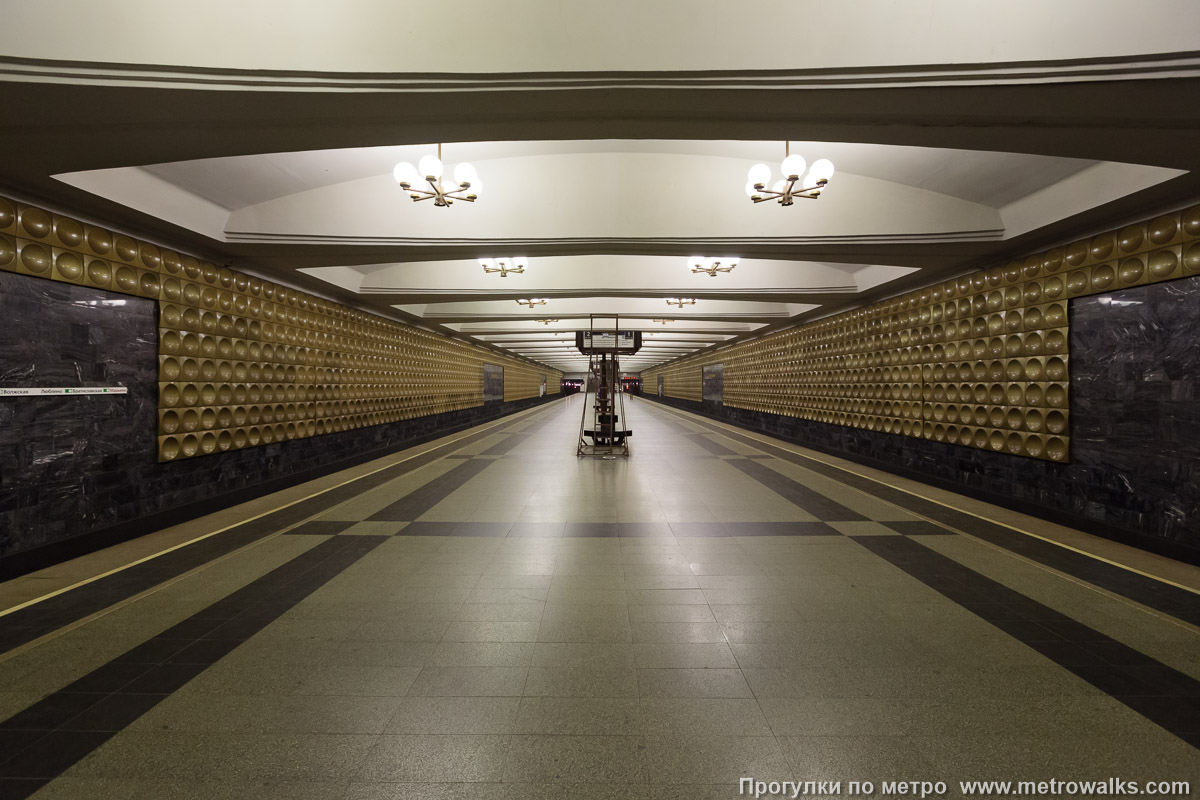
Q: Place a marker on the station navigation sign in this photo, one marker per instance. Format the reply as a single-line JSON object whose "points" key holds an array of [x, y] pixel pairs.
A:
{"points": [[608, 341]]}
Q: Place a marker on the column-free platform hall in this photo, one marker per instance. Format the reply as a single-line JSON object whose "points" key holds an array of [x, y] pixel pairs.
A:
{"points": [[487, 616]]}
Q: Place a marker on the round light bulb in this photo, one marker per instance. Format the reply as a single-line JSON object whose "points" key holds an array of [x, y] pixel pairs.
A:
{"points": [[520, 262], [759, 173], [406, 173], [696, 261], [793, 166], [779, 186], [465, 173], [477, 186], [750, 190], [821, 170], [430, 166]]}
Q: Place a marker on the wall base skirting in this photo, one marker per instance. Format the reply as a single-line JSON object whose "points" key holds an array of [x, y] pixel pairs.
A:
{"points": [[774, 426], [35, 558]]}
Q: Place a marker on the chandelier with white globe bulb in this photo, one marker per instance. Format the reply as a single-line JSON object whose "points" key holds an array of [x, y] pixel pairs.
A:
{"points": [[790, 186], [429, 171]]}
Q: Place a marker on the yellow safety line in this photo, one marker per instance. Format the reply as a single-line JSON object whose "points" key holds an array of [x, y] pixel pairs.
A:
{"points": [[461, 435], [128, 601], [1063, 545]]}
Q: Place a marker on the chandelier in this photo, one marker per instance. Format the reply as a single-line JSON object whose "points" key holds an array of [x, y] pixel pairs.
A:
{"points": [[662, 321], [711, 266], [790, 186], [504, 265], [429, 170], [533, 301], [547, 322], [681, 301]]}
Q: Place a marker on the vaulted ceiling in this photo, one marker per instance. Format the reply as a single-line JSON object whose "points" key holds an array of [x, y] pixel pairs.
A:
{"points": [[613, 142]]}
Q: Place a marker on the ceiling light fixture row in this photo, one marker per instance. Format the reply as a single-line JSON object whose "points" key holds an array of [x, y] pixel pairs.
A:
{"points": [[429, 170], [547, 322], [711, 266], [533, 301], [681, 301], [504, 266], [786, 189], [662, 321]]}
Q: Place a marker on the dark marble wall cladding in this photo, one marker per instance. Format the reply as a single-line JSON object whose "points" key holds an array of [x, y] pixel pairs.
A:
{"points": [[71, 466], [1135, 383], [1135, 409], [66, 462]]}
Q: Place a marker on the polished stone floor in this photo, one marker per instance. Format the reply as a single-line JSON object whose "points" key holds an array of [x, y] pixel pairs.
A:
{"points": [[499, 619]]}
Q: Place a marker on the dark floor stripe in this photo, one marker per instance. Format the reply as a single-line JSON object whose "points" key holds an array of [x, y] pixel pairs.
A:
{"points": [[319, 527], [1165, 696], [490, 529], [49, 737], [420, 500], [33, 622], [812, 501], [919, 528], [693, 529], [1179, 603], [506, 444], [715, 448], [673, 424]]}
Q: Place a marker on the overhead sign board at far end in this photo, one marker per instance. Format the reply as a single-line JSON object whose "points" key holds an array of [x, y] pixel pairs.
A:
{"points": [[609, 341]]}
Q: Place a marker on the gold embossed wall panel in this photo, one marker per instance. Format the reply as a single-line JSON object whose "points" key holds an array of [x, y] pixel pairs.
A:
{"points": [[243, 361], [979, 361], [683, 379], [525, 380]]}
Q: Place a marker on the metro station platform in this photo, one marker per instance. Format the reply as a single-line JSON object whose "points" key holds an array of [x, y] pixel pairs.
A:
{"points": [[489, 616]]}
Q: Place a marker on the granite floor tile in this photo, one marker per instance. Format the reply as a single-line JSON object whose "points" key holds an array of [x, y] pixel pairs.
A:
{"points": [[680, 632], [454, 715], [675, 656], [241, 756], [469, 682], [576, 759], [481, 654], [680, 760], [703, 716], [579, 716], [582, 681], [694, 613], [422, 759], [691, 682], [491, 631]]}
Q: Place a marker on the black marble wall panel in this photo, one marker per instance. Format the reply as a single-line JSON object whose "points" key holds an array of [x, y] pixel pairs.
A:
{"points": [[71, 466], [1135, 414], [1135, 379]]}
